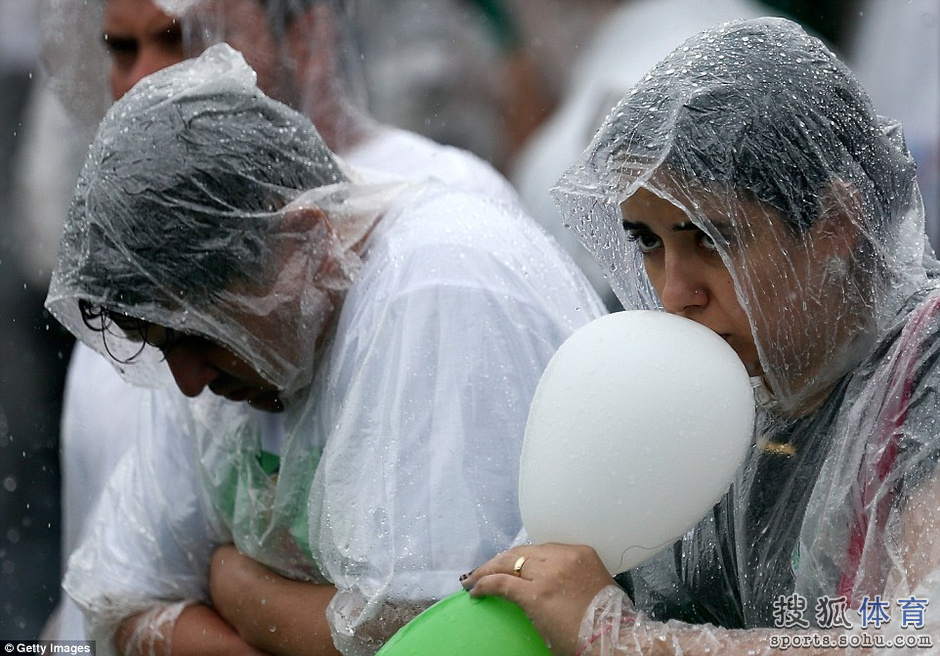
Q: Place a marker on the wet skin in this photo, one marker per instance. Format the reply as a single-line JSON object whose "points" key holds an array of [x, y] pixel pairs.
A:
{"points": [[687, 272]]}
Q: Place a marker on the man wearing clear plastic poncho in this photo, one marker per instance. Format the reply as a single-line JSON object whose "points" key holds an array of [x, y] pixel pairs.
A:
{"points": [[746, 183], [305, 57], [400, 327]]}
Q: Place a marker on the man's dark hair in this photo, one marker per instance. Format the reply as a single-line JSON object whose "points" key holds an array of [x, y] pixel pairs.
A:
{"points": [[178, 191]]}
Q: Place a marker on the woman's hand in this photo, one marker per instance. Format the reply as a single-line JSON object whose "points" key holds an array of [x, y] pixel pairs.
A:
{"points": [[553, 583]]}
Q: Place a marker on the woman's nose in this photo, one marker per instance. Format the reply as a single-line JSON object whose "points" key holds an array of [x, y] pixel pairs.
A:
{"points": [[684, 288], [190, 368]]}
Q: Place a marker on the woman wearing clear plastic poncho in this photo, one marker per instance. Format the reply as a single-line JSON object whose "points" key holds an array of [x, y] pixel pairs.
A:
{"points": [[399, 328], [747, 184]]}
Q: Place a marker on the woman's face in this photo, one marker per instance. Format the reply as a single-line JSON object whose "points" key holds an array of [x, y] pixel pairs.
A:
{"points": [[690, 277], [687, 271]]}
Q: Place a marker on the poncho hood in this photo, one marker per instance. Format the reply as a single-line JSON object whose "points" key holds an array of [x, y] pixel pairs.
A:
{"points": [[759, 112], [206, 207]]}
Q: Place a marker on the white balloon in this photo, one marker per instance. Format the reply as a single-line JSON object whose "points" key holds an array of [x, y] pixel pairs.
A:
{"points": [[636, 430]]}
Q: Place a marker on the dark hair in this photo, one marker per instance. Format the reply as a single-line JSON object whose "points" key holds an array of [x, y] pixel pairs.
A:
{"points": [[178, 194]]}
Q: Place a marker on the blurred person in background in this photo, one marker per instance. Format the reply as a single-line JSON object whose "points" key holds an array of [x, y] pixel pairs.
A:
{"points": [[633, 36], [894, 48], [434, 67], [479, 74], [32, 355]]}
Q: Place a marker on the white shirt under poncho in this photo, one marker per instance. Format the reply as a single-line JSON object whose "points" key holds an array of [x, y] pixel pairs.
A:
{"points": [[416, 417]]}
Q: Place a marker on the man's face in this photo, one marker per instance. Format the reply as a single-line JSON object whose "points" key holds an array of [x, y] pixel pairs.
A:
{"points": [[141, 39], [255, 340], [197, 363]]}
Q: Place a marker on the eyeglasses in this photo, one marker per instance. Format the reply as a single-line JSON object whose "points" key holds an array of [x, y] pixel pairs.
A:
{"points": [[138, 330]]}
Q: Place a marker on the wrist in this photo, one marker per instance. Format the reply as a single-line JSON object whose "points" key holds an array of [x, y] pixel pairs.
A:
{"points": [[150, 631], [607, 616]]}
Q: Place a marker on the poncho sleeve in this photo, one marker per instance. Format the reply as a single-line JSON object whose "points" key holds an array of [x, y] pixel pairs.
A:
{"points": [[149, 542]]}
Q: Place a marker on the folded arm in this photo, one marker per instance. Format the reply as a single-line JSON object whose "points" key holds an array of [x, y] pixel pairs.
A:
{"points": [[274, 614], [197, 631]]}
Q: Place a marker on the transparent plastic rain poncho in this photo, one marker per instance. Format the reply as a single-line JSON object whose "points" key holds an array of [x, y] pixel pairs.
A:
{"points": [[242, 157], [437, 311], [838, 496], [318, 74]]}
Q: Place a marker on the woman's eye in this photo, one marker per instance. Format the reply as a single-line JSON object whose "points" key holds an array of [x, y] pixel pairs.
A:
{"points": [[708, 243], [645, 241]]}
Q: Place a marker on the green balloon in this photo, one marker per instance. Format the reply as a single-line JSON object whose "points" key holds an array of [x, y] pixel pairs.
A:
{"points": [[460, 625]]}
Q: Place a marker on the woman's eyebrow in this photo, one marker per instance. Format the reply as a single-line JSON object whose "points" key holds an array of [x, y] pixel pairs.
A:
{"points": [[630, 225], [678, 227]]}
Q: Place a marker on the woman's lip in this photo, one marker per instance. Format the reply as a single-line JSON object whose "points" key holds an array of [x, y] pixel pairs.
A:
{"points": [[729, 339]]}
